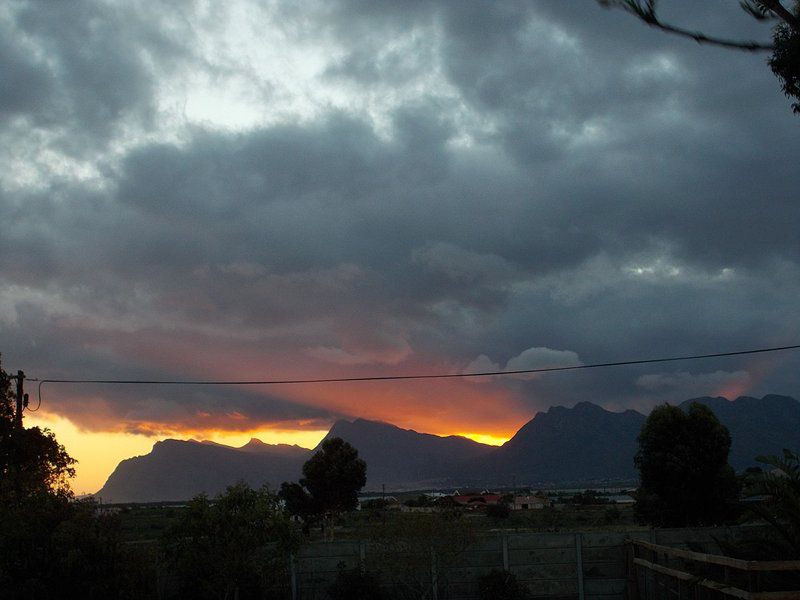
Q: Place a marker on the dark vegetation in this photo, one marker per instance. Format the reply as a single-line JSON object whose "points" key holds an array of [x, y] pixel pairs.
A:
{"points": [[684, 472], [238, 544], [501, 585], [330, 484], [355, 584]]}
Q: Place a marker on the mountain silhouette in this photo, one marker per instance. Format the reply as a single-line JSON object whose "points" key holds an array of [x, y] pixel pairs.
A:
{"points": [[582, 445]]}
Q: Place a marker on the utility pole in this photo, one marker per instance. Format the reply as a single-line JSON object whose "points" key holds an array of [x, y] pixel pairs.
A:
{"points": [[22, 397]]}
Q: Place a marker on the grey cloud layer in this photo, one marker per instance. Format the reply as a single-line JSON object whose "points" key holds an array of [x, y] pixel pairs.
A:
{"points": [[619, 193]]}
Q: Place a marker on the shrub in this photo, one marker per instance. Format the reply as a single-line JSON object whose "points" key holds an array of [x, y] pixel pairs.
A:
{"points": [[501, 585]]}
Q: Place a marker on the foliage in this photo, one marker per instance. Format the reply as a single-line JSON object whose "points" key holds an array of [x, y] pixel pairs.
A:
{"points": [[501, 585], [785, 60], [781, 486], [612, 515], [499, 511], [50, 545], [234, 546], [785, 47], [684, 472], [334, 475], [297, 501], [56, 549], [330, 484], [32, 462], [589, 497], [355, 584]]}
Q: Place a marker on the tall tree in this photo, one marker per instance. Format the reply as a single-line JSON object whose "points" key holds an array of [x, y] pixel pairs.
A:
{"points": [[330, 484], [334, 475], [785, 46], [683, 464]]}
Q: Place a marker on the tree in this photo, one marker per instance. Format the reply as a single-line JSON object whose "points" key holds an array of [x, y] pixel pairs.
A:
{"points": [[334, 475], [234, 545], [785, 47], [32, 462], [330, 484], [685, 478], [52, 546]]}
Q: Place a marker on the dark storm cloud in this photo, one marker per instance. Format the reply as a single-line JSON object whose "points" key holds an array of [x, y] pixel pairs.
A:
{"points": [[78, 69], [574, 182]]}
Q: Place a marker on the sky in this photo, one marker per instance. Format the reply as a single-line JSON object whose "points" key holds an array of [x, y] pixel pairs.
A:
{"points": [[282, 190]]}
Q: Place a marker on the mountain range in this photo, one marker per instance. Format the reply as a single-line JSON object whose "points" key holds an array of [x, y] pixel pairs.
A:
{"points": [[581, 445]]}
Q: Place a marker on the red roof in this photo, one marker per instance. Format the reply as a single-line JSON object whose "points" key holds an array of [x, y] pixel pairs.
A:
{"points": [[477, 499]]}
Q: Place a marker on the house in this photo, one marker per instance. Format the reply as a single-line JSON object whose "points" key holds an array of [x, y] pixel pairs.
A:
{"points": [[478, 501], [530, 502]]}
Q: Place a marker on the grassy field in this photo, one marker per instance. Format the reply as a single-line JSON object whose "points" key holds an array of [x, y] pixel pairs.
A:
{"points": [[151, 521], [147, 521]]}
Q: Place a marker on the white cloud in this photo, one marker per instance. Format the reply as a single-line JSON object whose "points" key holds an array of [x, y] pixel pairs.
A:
{"points": [[530, 359]]}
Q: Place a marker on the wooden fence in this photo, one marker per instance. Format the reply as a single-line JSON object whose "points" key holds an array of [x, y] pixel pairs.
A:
{"points": [[665, 573]]}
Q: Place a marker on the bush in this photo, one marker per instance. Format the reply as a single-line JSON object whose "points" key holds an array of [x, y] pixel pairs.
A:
{"points": [[498, 511], [501, 585], [353, 584]]}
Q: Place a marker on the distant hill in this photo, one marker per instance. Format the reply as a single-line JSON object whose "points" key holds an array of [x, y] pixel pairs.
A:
{"points": [[583, 444], [404, 458]]}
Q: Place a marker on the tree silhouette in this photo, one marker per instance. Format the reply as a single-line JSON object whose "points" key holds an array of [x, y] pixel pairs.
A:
{"points": [[330, 484], [32, 462], [785, 46], [683, 464], [334, 475]]}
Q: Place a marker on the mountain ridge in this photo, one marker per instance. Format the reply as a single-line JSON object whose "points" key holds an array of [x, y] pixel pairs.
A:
{"points": [[581, 443]]}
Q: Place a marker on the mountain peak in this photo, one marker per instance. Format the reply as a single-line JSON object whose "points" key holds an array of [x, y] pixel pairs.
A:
{"points": [[253, 443]]}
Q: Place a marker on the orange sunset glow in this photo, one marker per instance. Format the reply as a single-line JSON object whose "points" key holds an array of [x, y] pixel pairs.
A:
{"points": [[484, 412]]}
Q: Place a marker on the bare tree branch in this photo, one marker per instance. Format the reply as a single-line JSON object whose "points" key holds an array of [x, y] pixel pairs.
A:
{"points": [[645, 10]]}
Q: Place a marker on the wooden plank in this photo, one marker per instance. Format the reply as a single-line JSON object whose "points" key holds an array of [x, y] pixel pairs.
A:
{"points": [[793, 595], [683, 576], [716, 586], [726, 561]]}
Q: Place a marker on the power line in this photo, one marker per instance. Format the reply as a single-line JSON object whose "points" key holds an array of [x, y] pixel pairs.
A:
{"points": [[415, 376]]}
